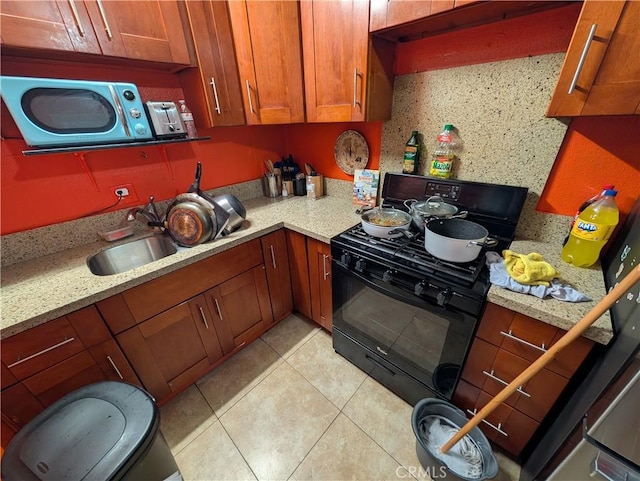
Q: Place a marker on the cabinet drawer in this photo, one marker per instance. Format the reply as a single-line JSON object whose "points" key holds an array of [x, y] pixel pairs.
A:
{"points": [[30, 352], [491, 369], [528, 338], [505, 426], [165, 292]]}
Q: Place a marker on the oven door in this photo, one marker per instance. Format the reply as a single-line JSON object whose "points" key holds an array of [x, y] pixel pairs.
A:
{"points": [[409, 333]]}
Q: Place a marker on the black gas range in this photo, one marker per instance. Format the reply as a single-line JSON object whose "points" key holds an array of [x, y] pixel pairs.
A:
{"points": [[403, 315]]}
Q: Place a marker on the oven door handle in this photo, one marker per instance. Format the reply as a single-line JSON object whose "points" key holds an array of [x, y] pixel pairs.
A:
{"points": [[394, 292]]}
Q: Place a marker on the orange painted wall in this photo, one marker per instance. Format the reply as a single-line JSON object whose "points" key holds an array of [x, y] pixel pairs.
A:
{"points": [[595, 151]]}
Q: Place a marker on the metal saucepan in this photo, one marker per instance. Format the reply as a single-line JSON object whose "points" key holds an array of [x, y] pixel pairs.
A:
{"points": [[456, 240], [433, 208], [381, 221], [190, 220], [235, 209]]}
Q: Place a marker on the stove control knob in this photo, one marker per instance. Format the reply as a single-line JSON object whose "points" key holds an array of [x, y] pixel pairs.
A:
{"points": [[360, 265], [443, 296], [420, 288], [345, 258], [387, 276]]}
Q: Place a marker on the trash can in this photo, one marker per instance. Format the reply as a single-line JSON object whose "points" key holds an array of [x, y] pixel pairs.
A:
{"points": [[107, 430]]}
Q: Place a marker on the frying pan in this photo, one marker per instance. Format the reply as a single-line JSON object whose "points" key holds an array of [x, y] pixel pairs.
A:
{"points": [[222, 216], [572, 334], [190, 220]]}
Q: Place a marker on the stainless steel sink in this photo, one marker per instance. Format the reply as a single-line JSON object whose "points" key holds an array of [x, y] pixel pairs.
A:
{"points": [[124, 257]]}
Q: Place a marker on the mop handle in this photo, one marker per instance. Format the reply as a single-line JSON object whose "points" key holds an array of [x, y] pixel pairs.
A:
{"points": [[575, 332]]}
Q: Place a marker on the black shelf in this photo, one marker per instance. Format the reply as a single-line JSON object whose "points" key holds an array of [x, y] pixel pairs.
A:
{"points": [[88, 148]]}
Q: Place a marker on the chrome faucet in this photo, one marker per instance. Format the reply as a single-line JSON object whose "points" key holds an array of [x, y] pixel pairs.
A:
{"points": [[149, 212]]}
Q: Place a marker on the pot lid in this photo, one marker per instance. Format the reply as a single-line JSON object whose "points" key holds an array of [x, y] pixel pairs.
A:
{"points": [[434, 206]]}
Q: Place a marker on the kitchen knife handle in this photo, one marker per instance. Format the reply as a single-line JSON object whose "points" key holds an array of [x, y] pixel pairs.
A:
{"points": [[249, 96], [204, 317], [273, 256], [583, 57], [215, 94], [115, 368], [76, 17]]}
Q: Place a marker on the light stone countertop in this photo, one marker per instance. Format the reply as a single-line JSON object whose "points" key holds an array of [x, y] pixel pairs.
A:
{"points": [[42, 289]]}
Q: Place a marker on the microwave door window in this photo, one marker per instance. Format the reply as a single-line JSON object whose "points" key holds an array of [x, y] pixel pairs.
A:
{"points": [[69, 111]]}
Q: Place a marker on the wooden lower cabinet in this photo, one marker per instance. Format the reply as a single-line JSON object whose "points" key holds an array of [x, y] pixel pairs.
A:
{"points": [[174, 348], [320, 282], [299, 272], [506, 344], [240, 309], [276, 263]]}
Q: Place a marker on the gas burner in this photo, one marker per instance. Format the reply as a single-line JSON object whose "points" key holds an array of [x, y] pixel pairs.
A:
{"points": [[409, 253]]}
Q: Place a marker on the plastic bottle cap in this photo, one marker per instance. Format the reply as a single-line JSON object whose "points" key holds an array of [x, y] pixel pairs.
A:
{"points": [[448, 127], [611, 192], [608, 187]]}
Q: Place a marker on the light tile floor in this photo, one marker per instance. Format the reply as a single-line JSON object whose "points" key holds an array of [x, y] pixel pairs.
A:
{"points": [[288, 407]]}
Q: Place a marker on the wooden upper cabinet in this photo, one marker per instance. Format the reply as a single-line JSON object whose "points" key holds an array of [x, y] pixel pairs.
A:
{"points": [[608, 82], [347, 76], [50, 25], [141, 30], [212, 91], [267, 41], [335, 39]]}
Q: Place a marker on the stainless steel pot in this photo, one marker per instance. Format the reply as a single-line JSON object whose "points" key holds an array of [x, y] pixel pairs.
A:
{"points": [[433, 208], [456, 240], [385, 222], [235, 209]]}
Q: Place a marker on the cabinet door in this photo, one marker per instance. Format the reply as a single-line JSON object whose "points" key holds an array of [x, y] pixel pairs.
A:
{"points": [[174, 348], [335, 40], [240, 308], [276, 262], [19, 406], [149, 30], [213, 90], [267, 41], [112, 362], [320, 282], [50, 25], [299, 270], [608, 83]]}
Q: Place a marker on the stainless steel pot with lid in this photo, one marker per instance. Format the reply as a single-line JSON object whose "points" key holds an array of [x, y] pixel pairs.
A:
{"points": [[433, 208]]}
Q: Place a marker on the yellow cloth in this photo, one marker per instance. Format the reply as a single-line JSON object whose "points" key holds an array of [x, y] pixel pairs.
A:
{"points": [[530, 269]]}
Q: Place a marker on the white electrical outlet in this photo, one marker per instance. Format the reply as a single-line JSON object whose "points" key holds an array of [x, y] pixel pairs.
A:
{"points": [[121, 192]]}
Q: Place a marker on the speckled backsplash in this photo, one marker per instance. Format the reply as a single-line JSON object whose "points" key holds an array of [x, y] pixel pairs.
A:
{"points": [[498, 109]]}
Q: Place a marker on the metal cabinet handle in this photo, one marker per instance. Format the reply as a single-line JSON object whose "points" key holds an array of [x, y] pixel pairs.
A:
{"points": [[218, 308], [522, 341], [583, 57], [325, 272], [505, 383], [249, 96], [104, 19], [55, 346], [204, 317], [76, 17], [115, 368], [215, 94], [355, 87], [273, 257], [493, 426]]}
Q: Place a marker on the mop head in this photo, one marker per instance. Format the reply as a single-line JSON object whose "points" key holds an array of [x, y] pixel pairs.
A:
{"points": [[463, 459]]}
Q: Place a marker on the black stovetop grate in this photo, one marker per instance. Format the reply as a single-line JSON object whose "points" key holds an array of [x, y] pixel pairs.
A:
{"points": [[410, 253]]}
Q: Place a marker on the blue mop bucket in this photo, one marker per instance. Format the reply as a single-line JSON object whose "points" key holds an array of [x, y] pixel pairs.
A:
{"points": [[430, 409]]}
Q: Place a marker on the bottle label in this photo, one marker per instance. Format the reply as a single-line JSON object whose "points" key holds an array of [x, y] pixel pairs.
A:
{"points": [[441, 166], [186, 116], [409, 162], [445, 137], [592, 231]]}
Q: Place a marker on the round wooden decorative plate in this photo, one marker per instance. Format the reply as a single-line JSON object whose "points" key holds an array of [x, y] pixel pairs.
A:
{"points": [[351, 151]]}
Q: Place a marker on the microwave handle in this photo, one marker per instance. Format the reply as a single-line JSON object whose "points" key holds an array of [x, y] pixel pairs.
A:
{"points": [[120, 110]]}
